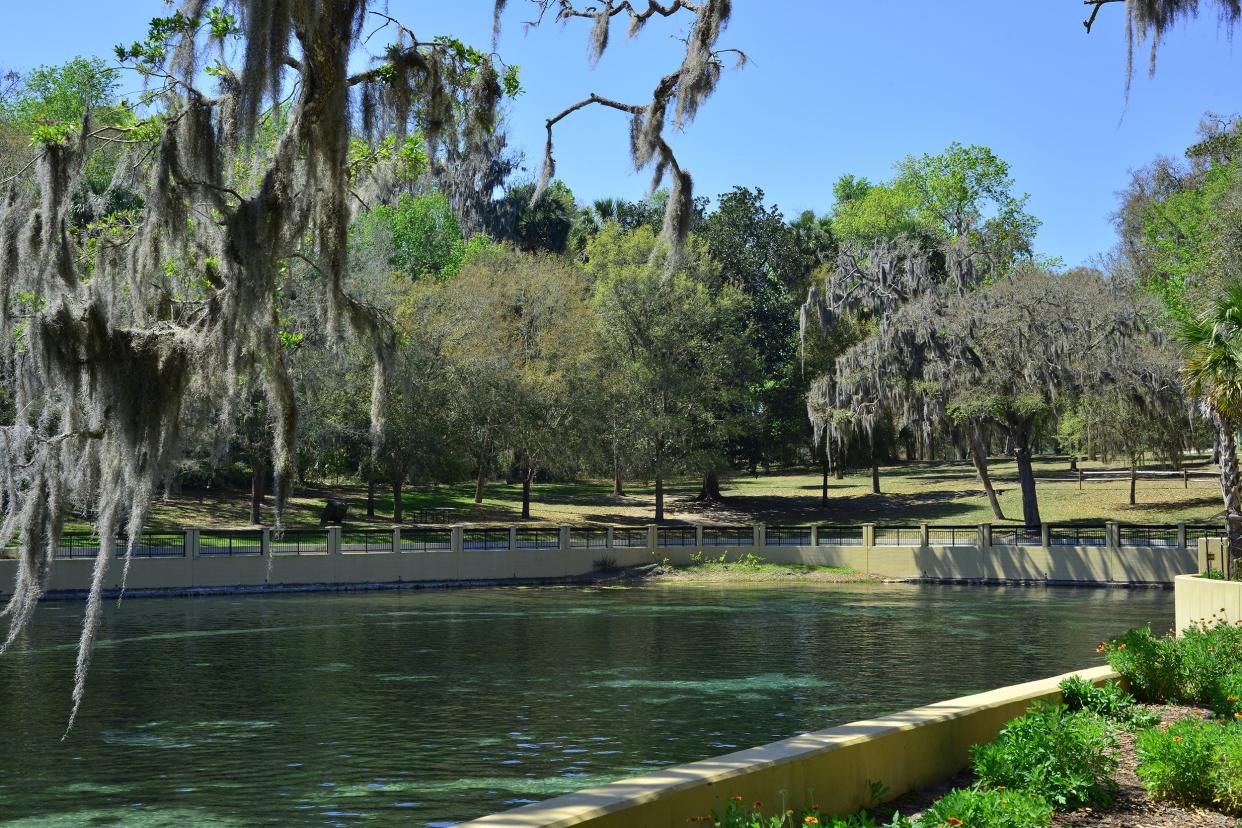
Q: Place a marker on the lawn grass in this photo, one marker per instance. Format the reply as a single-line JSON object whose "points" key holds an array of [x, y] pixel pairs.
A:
{"points": [[945, 493]]}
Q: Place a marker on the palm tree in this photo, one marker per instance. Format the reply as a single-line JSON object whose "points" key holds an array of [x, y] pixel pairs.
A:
{"points": [[1213, 374]]}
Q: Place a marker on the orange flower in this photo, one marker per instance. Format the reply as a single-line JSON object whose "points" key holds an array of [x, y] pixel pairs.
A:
{"points": [[954, 821], [756, 805], [810, 820], [1177, 738], [736, 797], [1121, 646]]}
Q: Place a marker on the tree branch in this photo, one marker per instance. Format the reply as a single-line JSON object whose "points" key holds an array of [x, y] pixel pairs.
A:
{"points": [[1095, 10]]}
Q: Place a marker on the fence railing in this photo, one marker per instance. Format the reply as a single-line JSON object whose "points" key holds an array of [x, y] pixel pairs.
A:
{"points": [[165, 543], [538, 539], [728, 536], [788, 536], [298, 542], [898, 536], [476, 539], [426, 540], [369, 541], [1076, 535], [677, 536], [839, 536], [230, 543], [588, 538]]}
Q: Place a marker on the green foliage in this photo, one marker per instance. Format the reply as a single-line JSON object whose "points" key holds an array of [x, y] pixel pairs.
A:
{"points": [[55, 99], [982, 807], [424, 235], [735, 815], [1197, 667], [1067, 758], [1227, 697], [1108, 700], [1194, 762]]}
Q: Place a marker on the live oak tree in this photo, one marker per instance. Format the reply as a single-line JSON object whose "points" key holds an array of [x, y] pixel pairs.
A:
{"points": [[678, 340], [123, 336]]}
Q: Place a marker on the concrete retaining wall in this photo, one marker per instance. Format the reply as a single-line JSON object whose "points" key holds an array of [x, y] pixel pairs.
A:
{"points": [[1204, 599], [330, 564], [831, 768]]}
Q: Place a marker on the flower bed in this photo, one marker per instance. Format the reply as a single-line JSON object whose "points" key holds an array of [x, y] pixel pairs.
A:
{"points": [[1099, 759]]}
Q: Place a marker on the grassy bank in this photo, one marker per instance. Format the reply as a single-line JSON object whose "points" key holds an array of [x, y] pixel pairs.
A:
{"points": [[911, 493]]}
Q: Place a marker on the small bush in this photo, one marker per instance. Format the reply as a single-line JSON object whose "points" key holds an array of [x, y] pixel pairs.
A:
{"points": [[1227, 699], [1188, 669], [1194, 762], [1066, 758], [987, 808], [1108, 700], [737, 816]]}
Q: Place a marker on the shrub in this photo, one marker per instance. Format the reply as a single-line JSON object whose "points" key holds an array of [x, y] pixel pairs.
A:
{"points": [[1189, 669], [987, 808], [738, 816], [1066, 758], [1227, 699], [1108, 700], [1195, 762]]}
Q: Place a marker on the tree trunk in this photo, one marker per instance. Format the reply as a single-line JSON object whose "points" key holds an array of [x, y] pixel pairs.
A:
{"points": [[875, 467], [910, 449], [526, 495], [370, 496], [823, 495], [838, 462], [978, 453], [1020, 434], [1227, 446], [659, 483], [479, 483], [257, 472], [618, 487], [396, 501], [709, 492], [1133, 481]]}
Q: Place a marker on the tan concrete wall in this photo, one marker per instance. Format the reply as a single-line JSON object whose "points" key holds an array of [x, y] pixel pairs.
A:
{"points": [[906, 751], [1199, 599], [1088, 564]]}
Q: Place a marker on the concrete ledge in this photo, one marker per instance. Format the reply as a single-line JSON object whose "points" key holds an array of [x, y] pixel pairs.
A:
{"points": [[830, 768], [1198, 599]]}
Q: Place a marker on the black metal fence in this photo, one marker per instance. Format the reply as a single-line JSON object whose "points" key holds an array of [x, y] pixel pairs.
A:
{"points": [[788, 536], [230, 543], [898, 536], [839, 536], [475, 539], [1075, 535], [728, 536], [1017, 536], [629, 538], [298, 542], [426, 540], [952, 535], [677, 536], [369, 541], [588, 538], [538, 539]]}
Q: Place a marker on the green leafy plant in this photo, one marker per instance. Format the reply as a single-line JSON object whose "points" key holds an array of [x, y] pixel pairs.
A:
{"points": [[1108, 700], [987, 808], [1066, 758], [1227, 701], [1195, 762], [736, 815], [1185, 669], [1213, 575]]}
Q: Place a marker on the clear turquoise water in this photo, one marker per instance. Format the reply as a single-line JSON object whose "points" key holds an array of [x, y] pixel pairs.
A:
{"points": [[425, 708]]}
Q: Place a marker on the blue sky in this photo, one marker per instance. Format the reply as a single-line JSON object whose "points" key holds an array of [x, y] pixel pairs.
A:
{"points": [[833, 87]]}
